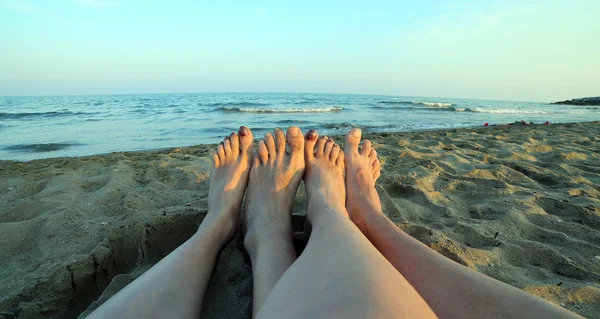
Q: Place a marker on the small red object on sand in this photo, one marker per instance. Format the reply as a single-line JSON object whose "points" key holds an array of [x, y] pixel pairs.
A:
{"points": [[547, 122], [486, 124], [524, 123]]}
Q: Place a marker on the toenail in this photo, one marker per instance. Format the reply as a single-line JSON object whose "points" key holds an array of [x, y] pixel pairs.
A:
{"points": [[243, 131], [356, 132], [294, 131], [329, 141], [232, 134], [222, 143], [311, 135], [226, 137]]}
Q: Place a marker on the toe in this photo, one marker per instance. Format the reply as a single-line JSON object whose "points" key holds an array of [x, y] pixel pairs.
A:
{"points": [[246, 138], [262, 152], [221, 153], [366, 148], [340, 159], [270, 143], [279, 142], [373, 153], [352, 140], [376, 175], [328, 146], [255, 161], [376, 166], [321, 146], [234, 139], [215, 159], [373, 156], [227, 146], [309, 144], [335, 151], [376, 169], [295, 141]]}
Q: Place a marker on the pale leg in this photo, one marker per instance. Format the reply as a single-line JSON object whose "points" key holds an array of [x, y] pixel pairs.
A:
{"points": [[274, 180], [175, 286], [339, 274]]}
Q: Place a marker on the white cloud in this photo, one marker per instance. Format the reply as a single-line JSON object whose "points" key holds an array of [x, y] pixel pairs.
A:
{"points": [[97, 4]]}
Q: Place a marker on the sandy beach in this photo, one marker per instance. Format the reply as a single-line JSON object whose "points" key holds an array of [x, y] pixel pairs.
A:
{"points": [[517, 203]]}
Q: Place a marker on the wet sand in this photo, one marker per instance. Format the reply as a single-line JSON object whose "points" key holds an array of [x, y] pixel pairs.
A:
{"points": [[517, 203]]}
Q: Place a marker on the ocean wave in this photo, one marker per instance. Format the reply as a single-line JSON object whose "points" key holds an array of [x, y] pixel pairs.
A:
{"points": [[395, 102], [234, 104], [347, 126], [505, 111], [293, 122], [342, 126], [433, 109], [473, 110], [40, 148], [13, 116], [281, 110], [493, 111], [434, 104], [311, 101], [428, 104]]}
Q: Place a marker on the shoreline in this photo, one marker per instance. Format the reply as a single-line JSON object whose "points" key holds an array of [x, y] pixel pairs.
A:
{"points": [[337, 137], [518, 203]]}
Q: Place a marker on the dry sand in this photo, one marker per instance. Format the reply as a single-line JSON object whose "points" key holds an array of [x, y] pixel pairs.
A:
{"points": [[517, 203]]}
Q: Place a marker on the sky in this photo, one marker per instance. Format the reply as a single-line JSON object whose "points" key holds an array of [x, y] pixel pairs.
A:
{"points": [[528, 50]]}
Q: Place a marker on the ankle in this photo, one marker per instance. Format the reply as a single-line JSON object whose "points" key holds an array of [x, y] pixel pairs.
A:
{"points": [[254, 239], [370, 222], [319, 211], [218, 225]]}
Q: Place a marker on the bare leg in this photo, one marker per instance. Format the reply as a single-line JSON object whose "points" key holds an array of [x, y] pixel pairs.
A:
{"points": [[452, 290], [339, 274], [174, 287], [274, 180]]}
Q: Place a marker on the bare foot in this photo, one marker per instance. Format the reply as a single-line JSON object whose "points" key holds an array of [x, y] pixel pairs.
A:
{"points": [[324, 177], [274, 180], [362, 170], [228, 179]]}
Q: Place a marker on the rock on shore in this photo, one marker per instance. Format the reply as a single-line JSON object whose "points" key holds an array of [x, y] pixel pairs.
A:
{"points": [[582, 101]]}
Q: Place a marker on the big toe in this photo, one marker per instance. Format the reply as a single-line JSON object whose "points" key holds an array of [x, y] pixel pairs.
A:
{"points": [[246, 138], [352, 140], [295, 141]]}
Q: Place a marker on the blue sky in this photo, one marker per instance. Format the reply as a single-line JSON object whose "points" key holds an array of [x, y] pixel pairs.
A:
{"points": [[515, 50]]}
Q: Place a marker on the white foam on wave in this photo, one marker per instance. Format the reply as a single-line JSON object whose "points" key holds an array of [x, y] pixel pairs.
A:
{"points": [[434, 104], [507, 111], [285, 110]]}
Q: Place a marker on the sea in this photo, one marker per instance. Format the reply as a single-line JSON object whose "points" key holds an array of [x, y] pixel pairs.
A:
{"points": [[34, 127]]}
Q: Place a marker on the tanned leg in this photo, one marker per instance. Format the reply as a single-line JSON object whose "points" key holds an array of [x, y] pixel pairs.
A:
{"points": [[452, 290]]}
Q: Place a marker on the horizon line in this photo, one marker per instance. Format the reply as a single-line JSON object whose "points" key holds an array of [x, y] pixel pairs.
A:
{"points": [[259, 92]]}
